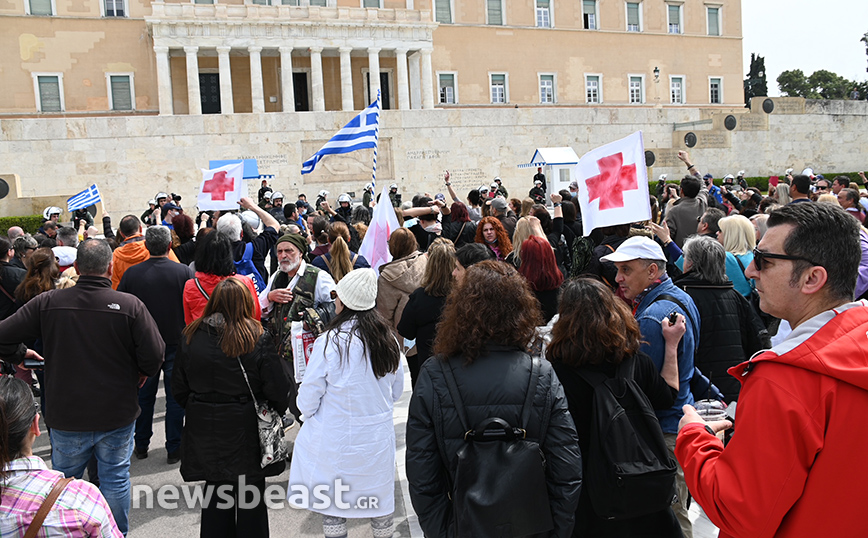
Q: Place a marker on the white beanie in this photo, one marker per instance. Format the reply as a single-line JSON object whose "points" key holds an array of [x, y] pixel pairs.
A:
{"points": [[358, 289]]}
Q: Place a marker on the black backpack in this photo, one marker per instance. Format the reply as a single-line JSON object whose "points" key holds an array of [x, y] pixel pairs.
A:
{"points": [[499, 486], [629, 471]]}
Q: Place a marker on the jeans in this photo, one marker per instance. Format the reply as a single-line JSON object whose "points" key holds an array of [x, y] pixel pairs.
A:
{"points": [[174, 412], [70, 452]]}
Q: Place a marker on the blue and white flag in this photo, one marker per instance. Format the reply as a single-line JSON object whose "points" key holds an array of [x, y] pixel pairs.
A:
{"points": [[85, 198], [362, 132]]}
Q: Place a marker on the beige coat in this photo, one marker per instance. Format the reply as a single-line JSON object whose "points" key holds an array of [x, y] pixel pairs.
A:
{"points": [[398, 279]]}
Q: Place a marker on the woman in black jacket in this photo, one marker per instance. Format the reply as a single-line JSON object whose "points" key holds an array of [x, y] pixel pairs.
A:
{"points": [[220, 443], [457, 226], [596, 332], [487, 323]]}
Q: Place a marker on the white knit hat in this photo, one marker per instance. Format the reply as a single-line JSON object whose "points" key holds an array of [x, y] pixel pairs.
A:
{"points": [[358, 289]]}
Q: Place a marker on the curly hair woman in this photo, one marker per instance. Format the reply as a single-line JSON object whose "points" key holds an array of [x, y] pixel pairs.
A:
{"points": [[491, 233], [487, 324]]}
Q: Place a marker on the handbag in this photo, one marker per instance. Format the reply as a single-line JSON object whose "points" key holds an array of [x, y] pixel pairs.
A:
{"points": [[499, 486], [270, 426]]}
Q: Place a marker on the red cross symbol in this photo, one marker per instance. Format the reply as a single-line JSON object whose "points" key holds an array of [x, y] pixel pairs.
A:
{"points": [[614, 179], [219, 185]]}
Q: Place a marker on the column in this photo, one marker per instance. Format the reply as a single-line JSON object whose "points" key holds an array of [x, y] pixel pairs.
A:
{"points": [[194, 100], [427, 83], [316, 79], [415, 74], [403, 83], [346, 79], [373, 72], [287, 89], [256, 92], [164, 80], [227, 106]]}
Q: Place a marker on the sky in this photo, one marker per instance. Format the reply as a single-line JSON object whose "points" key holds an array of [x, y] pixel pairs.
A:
{"points": [[807, 35]]}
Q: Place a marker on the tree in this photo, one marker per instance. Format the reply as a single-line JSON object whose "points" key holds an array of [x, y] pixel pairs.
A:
{"points": [[755, 84], [794, 83], [829, 85]]}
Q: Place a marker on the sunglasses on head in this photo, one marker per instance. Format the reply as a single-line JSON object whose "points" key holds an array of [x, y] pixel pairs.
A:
{"points": [[759, 257]]}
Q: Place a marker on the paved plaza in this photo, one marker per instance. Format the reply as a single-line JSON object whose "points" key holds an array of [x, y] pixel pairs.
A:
{"points": [[183, 522]]}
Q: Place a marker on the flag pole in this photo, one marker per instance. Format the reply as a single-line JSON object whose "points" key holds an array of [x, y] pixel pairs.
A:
{"points": [[376, 142]]}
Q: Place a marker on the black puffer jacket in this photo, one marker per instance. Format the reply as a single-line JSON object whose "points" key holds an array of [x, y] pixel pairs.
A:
{"points": [[730, 332], [494, 385], [221, 440]]}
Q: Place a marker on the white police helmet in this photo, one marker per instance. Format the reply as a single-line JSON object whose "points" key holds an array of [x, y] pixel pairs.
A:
{"points": [[250, 218], [277, 196], [345, 198], [323, 193], [51, 210]]}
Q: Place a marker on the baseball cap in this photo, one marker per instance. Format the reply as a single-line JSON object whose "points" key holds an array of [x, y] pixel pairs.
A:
{"points": [[439, 196], [636, 248], [574, 184], [499, 204]]}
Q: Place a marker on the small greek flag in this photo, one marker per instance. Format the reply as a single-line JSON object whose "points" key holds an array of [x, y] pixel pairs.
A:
{"points": [[85, 198], [361, 132]]}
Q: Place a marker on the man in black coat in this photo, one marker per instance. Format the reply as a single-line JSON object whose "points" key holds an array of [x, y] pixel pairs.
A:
{"points": [[159, 283], [10, 277]]}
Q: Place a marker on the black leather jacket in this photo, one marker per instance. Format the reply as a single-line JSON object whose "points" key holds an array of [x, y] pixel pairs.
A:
{"points": [[494, 385]]}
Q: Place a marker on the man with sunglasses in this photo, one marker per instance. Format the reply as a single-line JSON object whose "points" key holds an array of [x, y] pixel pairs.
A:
{"points": [[794, 467]]}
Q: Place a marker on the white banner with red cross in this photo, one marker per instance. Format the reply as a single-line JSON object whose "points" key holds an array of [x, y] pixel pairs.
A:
{"points": [[613, 184], [222, 188]]}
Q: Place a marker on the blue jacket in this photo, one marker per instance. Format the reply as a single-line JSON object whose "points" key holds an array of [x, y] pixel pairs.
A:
{"points": [[648, 314]]}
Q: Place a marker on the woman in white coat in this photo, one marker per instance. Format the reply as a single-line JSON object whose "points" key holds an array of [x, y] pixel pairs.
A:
{"points": [[344, 455]]}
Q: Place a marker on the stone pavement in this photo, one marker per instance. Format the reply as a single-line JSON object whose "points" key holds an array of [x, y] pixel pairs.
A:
{"points": [[183, 522]]}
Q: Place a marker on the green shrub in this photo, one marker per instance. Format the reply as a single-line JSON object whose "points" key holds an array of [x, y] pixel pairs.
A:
{"points": [[29, 223]]}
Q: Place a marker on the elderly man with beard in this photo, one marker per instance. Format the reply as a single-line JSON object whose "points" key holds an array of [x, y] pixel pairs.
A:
{"points": [[295, 287]]}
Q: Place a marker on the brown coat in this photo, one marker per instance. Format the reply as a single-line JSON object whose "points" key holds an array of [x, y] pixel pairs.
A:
{"points": [[398, 279]]}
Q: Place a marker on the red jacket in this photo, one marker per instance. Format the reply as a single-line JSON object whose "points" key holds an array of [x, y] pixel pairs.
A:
{"points": [[194, 301], [796, 463]]}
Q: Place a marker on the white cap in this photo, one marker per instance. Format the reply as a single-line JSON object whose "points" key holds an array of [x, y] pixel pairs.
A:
{"points": [[537, 182], [808, 172], [323, 193], [358, 289], [268, 195], [741, 173], [393, 186], [636, 248], [152, 202], [497, 179], [483, 188], [161, 195], [662, 177]]}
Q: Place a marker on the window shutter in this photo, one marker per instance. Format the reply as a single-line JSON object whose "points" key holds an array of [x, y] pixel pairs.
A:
{"points": [[320, 3], [122, 98], [443, 11], [495, 12], [372, 3], [633, 14], [40, 7], [49, 94], [713, 21]]}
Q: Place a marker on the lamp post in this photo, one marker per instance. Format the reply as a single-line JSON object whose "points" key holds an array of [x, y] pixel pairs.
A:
{"points": [[657, 85]]}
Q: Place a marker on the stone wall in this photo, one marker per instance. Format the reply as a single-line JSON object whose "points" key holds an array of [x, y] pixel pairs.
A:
{"points": [[131, 158]]}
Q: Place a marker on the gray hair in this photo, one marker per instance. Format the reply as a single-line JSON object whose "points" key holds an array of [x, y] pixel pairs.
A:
{"points": [[157, 240], [68, 236], [706, 258], [22, 243], [230, 226], [93, 257]]}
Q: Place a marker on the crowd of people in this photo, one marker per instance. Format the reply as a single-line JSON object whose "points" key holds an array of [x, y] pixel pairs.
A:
{"points": [[515, 326]]}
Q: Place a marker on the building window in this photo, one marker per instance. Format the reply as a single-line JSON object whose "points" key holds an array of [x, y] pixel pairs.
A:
{"points": [[713, 21], [282, 2], [121, 91], [674, 19], [371, 3], [495, 12], [634, 20], [443, 11], [676, 90], [547, 89], [543, 14], [447, 88], [589, 14], [592, 89], [49, 91], [208, 2], [40, 7], [637, 90], [715, 89], [498, 88], [320, 3]]}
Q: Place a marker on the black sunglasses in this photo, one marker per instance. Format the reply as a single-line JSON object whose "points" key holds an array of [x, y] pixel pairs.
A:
{"points": [[759, 256]]}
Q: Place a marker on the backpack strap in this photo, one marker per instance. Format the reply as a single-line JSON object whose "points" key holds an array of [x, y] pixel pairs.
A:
{"points": [[45, 507], [452, 387], [750, 282], [353, 264], [325, 258], [667, 297], [201, 289]]}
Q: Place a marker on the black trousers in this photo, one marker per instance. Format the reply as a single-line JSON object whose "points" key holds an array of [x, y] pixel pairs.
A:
{"points": [[234, 521]]}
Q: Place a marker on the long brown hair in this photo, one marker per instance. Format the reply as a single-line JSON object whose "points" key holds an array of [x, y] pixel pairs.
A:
{"points": [[17, 411], [502, 242], [234, 302], [594, 326], [438, 278], [42, 274], [493, 303], [341, 264]]}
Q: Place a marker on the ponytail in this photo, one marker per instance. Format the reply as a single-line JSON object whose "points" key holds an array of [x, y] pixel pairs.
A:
{"points": [[341, 264]]}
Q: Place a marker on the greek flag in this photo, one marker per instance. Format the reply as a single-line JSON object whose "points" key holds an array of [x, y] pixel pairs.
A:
{"points": [[361, 132], [85, 198]]}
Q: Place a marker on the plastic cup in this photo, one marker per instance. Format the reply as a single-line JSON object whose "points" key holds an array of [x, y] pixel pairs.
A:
{"points": [[711, 411]]}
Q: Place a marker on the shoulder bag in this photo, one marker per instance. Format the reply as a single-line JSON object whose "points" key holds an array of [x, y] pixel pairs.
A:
{"points": [[270, 425], [45, 507]]}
